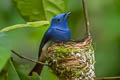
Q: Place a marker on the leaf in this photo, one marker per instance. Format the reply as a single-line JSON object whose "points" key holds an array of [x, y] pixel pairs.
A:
{"points": [[53, 7], [34, 10], [12, 74], [28, 24], [22, 70], [4, 50], [4, 56], [35, 76], [50, 75], [37, 23]]}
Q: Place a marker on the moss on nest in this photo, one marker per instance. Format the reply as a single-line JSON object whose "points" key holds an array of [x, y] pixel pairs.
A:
{"points": [[72, 60]]}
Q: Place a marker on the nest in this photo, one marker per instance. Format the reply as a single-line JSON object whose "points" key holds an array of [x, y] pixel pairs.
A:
{"points": [[72, 60]]}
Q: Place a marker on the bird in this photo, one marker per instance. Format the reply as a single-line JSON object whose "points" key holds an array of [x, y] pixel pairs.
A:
{"points": [[57, 32]]}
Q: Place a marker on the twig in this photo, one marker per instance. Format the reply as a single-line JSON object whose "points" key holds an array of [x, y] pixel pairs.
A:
{"points": [[88, 33], [108, 78], [86, 17], [22, 57]]}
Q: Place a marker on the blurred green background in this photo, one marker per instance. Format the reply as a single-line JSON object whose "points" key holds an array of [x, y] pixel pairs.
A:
{"points": [[104, 16]]}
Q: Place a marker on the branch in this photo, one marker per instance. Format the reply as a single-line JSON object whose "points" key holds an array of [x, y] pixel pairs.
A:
{"points": [[86, 17], [22, 57], [108, 78], [88, 33]]}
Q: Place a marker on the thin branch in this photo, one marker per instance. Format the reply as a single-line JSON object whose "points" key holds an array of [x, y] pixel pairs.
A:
{"points": [[108, 78], [86, 17], [22, 57]]}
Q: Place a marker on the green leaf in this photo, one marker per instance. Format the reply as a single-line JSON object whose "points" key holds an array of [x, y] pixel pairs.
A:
{"points": [[4, 56], [22, 70], [34, 10], [50, 75], [12, 74], [35, 76], [4, 50], [28, 24]]}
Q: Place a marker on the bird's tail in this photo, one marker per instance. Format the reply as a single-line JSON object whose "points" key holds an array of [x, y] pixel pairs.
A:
{"points": [[37, 69], [41, 58]]}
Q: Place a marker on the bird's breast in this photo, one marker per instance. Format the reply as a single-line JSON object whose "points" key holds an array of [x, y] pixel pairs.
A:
{"points": [[60, 34]]}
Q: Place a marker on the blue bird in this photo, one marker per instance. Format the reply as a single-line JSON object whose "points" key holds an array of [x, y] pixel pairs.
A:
{"points": [[58, 31]]}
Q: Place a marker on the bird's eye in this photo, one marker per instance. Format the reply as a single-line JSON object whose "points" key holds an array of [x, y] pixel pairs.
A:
{"points": [[58, 20]]}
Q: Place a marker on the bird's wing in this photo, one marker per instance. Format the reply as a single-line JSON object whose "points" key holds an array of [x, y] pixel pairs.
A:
{"points": [[45, 39], [38, 67]]}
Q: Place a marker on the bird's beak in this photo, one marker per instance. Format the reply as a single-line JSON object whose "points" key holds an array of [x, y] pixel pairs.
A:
{"points": [[67, 15]]}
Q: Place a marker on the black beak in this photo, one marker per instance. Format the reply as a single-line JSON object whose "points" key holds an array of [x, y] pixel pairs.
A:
{"points": [[67, 15]]}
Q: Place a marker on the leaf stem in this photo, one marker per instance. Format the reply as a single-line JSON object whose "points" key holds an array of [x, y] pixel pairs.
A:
{"points": [[22, 57], [86, 17]]}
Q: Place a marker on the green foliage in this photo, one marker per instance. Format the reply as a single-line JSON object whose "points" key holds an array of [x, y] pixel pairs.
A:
{"points": [[12, 73], [105, 26], [50, 75], [4, 56], [4, 50], [28, 24], [34, 10], [35, 77], [22, 70], [40, 11], [17, 71]]}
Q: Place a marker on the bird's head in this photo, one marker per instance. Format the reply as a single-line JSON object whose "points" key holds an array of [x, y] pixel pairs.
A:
{"points": [[60, 20]]}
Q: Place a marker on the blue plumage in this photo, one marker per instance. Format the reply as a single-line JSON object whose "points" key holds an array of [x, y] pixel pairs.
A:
{"points": [[58, 31]]}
